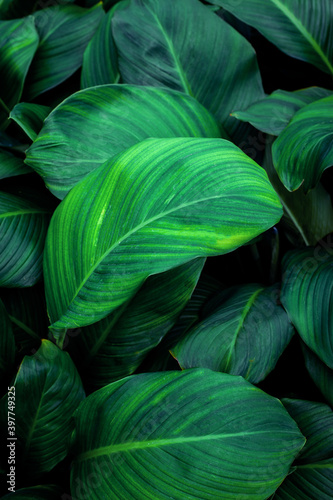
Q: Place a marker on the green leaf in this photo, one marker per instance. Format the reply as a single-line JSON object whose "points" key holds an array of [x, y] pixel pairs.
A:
{"points": [[43, 422], [100, 60], [114, 347], [12, 9], [7, 343], [320, 373], [179, 435], [304, 149], [306, 294], [64, 32], [313, 477], [92, 125], [11, 165], [244, 335], [273, 113], [30, 117], [97, 255], [310, 215], [18, 44], [300, 29], [185, 46], [23, 227], [42, 492]]}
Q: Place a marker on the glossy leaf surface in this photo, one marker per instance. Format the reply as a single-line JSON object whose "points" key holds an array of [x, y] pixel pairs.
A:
{"points": [[304, 149], [95, 124], [180, 437], [244, 335], [301, 29], [30, 117], [185, 46], [23, 227], [307, 296], [96, 255]]}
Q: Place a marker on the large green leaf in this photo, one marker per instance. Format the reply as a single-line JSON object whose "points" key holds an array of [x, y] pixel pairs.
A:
{"points": [[185, 46], [23, 227], [30, 117], [18, 44], [273, 113], [43, 422], [43, 492], [148, 210], [192, 434], [100, 60], [306, 294], [115, 346], [313, 477], [301, 29], [244, 335], [304, 149], [11, 165], [7, 343], [95, 124], [64, 32], [320, 373]]}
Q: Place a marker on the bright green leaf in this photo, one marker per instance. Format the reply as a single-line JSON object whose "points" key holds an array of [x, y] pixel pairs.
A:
{"points": [[97, 255], [11, 165], [43, 422], [273, 113], [320, 373], [64, 31], [95, 124], [306, 294], [23, 227], [313, 477], [244, 335], [304, 149], [301, 29], [30, 117], [185, 46], [7, 343], [192, 434]]}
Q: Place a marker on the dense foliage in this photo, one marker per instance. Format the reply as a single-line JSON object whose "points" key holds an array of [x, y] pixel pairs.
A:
{"points": [[166, 264]]}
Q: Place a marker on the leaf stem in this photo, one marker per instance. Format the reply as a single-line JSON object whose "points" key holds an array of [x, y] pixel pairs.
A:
{"points": [[4, 106]]}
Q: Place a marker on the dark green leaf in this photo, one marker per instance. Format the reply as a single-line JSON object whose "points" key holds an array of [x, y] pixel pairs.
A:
{"points": [[320, 373], [30, 117], [42, 492], [11, 165], [192, 434], [95, 124], [97, 256], [12, 9], [7, 343]]}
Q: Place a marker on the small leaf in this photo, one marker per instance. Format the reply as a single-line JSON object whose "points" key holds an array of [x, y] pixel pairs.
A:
{"points": [[30, 117], [11, 165], [320, 373]]}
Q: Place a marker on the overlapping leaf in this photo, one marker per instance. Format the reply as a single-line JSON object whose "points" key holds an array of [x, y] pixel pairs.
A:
{"points": [[64, 32], [304, 149], [43, 420], [30, 117], [97, 256], [23, 227], [301, 29], [114, 347], [313, 477], [245, 334], [12, 9], [11, 165], [7, 343], [185, 46], [320, 373], [273, 113], [92, 125], [307, 296], [192, 434]]}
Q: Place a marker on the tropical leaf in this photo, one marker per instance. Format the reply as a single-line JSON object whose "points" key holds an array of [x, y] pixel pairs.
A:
{"points": [[43, 492], [115, 346], [30, 117], [18, 44], [12, 9], [273, 113], [307, 296], [310, 215], [185, 46], [43, 422], [64, 32], [304, 149], [313, 477], [320, 373], [7, 343], [300, 29], [11, 165], [192, 434], [100, 60], [95, 124], [97, 257], [23, 227], [244, 335]]}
